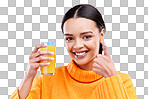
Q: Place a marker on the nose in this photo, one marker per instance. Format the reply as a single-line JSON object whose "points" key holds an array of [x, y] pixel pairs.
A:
{"points": [[78, 44]]}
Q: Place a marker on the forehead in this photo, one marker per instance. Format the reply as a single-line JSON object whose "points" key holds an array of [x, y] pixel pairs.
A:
{"points": [[79, 25]]}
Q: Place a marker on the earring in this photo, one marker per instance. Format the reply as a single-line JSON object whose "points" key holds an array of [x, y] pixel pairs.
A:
{"points": [[100, 41]]}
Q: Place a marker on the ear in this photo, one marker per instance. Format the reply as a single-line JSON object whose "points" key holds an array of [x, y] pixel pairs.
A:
{"points": [[101, 35]]}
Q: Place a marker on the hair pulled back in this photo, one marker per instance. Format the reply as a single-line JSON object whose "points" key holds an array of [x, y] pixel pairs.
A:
{"points": [[85, 11]]}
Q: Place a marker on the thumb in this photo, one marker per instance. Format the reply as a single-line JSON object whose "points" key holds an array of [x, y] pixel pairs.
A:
{"points": [[106, 53]]}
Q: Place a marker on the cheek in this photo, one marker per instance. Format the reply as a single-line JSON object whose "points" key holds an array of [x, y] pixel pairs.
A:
{"points": [[68, 46], [93, 44]]}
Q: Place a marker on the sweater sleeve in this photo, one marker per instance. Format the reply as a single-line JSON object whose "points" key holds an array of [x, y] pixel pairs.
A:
{"points": [[34, 92], [117, 87]]}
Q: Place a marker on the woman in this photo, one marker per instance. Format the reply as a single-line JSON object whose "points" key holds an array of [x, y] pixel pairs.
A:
{"points": [[89, 75]]}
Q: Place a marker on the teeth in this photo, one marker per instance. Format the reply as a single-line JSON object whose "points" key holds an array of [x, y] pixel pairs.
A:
{"points": [[80, 53]]}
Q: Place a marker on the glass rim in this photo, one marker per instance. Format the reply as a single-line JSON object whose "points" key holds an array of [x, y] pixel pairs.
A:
{"points": [[49, 43]]}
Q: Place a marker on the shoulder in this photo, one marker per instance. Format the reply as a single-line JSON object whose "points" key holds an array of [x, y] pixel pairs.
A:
{"points": [[124, 76], [127, 81]]}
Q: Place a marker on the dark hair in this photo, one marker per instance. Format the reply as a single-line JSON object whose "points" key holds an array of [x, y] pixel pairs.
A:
{"points": [[86, 11]]}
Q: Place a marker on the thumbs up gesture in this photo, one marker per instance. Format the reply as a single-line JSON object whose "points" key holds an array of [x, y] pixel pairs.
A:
{"points": [[104, 65]]}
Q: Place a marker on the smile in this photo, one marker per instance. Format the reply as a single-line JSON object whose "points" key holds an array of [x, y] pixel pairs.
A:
{"points": [[80, 55]]}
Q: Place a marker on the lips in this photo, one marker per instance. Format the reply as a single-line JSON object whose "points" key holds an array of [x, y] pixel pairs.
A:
{"points": [[80, 51], [81, 55]]}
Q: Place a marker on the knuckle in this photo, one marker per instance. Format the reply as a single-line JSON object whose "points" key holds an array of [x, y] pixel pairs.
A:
{"points": [[36, 54], [35, 60], [40, 64], [95, 59], [94, 64], [29, 57], [31, 66], [36, 46], [40, 57], [98, 55], [29, 61], [39, 52], [104, 57]]}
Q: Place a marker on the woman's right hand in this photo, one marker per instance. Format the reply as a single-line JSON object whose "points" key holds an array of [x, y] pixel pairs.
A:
{"points": [[35, 58]]}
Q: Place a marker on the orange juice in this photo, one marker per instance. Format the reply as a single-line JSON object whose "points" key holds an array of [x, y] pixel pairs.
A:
{"points": [[50, 69]]}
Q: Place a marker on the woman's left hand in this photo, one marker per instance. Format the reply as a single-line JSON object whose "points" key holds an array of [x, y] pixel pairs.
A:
{"points": [[103, 64]]}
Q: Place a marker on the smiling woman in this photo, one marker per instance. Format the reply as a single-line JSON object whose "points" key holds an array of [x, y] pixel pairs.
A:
{"points": [[89, 75], [81, 38]]}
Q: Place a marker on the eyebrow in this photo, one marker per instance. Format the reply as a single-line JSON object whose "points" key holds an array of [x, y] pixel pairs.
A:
{"points": [[80, 33]]}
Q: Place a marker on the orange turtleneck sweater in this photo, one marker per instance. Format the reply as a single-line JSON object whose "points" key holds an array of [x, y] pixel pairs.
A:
{"points": [[71, 82]]}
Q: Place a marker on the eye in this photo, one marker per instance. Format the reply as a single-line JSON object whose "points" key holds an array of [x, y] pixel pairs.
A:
{"points": [[87, 37], [69, 38]]}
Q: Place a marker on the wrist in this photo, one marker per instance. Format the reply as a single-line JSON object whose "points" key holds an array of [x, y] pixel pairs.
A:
{"points": [[27, 76]]}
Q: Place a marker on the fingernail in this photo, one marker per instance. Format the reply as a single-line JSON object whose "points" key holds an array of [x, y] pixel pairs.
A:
{"points": [[52, 53], [52, 58], [45, 44], [48, 63], [93, 64]]}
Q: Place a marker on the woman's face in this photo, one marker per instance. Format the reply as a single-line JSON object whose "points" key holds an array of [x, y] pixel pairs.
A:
{"points": [[82, 39]]}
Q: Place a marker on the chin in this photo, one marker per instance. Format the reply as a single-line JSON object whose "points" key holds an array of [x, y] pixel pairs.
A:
{"points": [[83, 61]]}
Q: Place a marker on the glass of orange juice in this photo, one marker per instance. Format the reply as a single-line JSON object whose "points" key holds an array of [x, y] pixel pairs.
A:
{"points": [[50, 69]]}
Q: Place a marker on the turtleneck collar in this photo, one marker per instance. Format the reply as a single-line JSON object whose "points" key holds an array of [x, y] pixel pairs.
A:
{"points": [[82, 75]]}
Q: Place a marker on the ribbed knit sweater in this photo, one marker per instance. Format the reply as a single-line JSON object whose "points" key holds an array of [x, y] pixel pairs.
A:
{"points": [[71, 82]]}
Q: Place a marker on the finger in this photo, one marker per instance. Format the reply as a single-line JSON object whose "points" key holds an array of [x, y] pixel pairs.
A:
{"points": [[41, 58], [43, 53], [98, 71], [102, 56], [38, 47], [106, 53], [34, 55], [97, 66], [100, 64], [36, 65], [99, 61]]}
